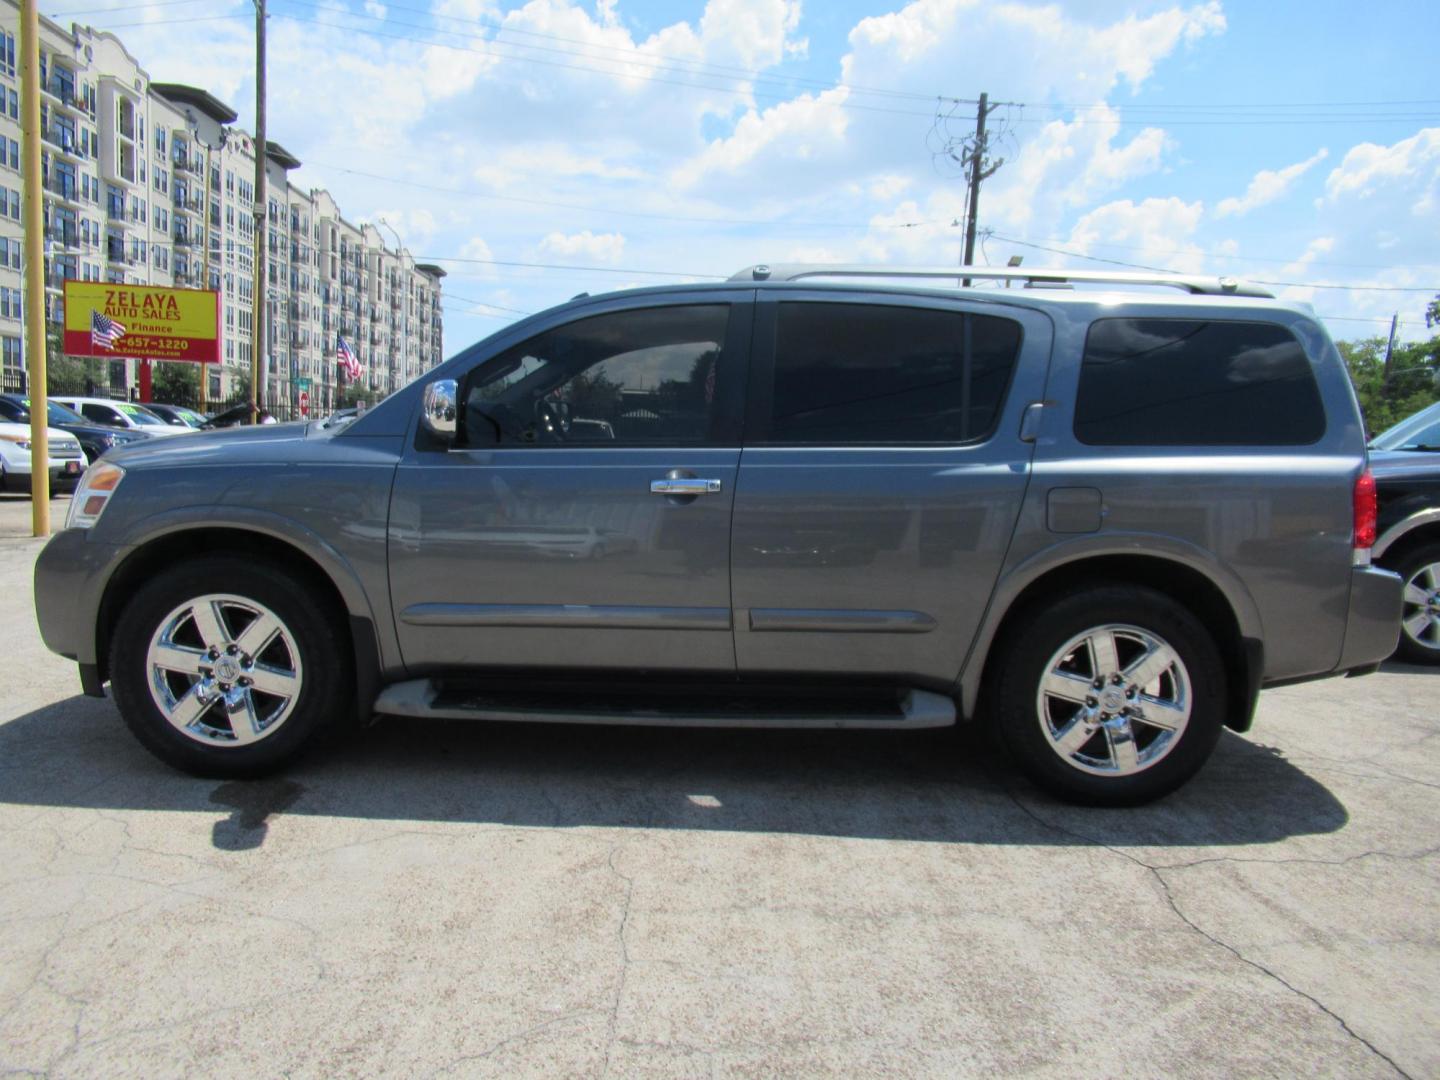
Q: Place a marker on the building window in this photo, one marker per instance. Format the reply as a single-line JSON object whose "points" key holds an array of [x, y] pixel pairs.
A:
{"points": [[160, 139], [11, 347], [7, 53]]}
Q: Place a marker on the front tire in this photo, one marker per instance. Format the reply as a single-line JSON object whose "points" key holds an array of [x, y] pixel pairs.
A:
{"points": [[228, 668], [1111, 695], [1420, 617]]}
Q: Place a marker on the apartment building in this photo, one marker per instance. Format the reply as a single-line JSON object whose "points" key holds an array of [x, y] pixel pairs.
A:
{"points": [[150, 183]]}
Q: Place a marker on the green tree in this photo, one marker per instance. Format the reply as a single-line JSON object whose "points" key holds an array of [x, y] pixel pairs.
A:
{"points": [[1412, 384], [66, 374], [353, 394], [176, 383]]}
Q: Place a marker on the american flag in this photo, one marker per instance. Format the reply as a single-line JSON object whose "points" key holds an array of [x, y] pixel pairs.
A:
{"points": [[346, 356], [104, 331]]}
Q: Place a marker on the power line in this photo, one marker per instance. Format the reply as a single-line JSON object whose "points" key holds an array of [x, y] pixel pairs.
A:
{"points": [[1257, 281], [562, 266], [493, 50], [693, 219]]}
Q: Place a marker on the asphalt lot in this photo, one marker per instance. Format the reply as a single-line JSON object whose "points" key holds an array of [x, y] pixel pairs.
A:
{"points": [[491, 900]]}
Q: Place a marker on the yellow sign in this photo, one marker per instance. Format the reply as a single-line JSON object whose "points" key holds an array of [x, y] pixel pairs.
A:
{"points": [[149, 321]]}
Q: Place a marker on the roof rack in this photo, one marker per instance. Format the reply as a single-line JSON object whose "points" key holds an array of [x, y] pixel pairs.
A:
{"points": [[1196, 284]]}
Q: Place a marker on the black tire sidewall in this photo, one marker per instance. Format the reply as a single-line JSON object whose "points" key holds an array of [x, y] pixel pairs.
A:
{"points": [[1406, 649], [318, 635], [1042, 631]]}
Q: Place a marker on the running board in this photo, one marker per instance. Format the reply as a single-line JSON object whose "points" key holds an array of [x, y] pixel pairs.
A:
{"points": [[905, 710]]}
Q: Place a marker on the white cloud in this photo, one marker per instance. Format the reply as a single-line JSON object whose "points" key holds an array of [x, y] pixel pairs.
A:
{"points": [[1368, 167], [1269, 185], [606, 247], [374, 10], [1164, 227]]}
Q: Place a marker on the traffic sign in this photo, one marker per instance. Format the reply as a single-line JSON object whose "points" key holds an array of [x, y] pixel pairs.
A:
{"points": [[304, 403]]}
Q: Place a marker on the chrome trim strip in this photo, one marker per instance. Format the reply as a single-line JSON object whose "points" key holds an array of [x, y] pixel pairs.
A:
{"points": [[840, 621], [611, 616], [1403, 526]]}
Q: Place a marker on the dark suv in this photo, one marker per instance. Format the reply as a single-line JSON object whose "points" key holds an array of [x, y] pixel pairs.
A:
{"points": [[1097, 522], [1406, 461]]}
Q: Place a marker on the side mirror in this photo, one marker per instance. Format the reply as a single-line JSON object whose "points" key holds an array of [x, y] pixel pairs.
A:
{"points": [[437, 412]]}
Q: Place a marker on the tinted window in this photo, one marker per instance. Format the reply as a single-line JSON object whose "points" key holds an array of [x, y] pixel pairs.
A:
{"points": [[629, 378], [102, 414], [860, 373], [1185, 382]]}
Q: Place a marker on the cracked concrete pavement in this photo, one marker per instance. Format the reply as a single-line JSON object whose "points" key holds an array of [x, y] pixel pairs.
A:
{"points": [[481, 900]]}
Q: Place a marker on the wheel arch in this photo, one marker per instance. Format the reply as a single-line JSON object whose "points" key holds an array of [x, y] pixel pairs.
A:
{"points": [[1422, 531], [178, 541], [1220, 601]]}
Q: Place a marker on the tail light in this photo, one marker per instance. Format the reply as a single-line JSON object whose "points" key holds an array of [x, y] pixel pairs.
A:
{"points": [[1365, 511]]}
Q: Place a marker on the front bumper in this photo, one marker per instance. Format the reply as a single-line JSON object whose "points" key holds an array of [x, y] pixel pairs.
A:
{"points": [[69, 581], [1372, 627]]}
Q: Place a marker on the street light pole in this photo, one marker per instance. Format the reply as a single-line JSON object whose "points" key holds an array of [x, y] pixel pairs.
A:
{"points": [[34, 222]]}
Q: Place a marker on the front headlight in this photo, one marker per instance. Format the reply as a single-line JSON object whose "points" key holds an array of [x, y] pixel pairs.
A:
{"points": [[93, 494]]}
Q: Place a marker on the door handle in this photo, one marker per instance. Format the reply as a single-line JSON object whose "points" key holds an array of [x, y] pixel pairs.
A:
{"points": [[689, 485]]}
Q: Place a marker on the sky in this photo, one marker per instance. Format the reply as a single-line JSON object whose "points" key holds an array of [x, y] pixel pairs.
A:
{"points": [[541, 150]]}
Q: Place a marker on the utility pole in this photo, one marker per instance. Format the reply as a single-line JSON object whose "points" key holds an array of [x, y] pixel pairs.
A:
{"points": [[1390, 346], [980, 169], [34, 223], [259, 292]]}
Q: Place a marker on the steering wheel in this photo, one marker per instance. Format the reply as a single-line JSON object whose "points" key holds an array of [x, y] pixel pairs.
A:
{"points": [[552, 418]]}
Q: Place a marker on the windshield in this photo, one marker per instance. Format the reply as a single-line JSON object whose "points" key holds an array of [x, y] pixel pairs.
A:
{"points": [[1420, 431], [58, 413], [139, 415]]}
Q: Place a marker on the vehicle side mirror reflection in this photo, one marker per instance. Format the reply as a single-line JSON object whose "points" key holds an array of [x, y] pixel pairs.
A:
{"points": [[437, 412]]}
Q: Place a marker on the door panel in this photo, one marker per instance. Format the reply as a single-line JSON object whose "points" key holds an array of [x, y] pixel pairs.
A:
{"points": [[880, 559], [536, 557], [595, 532]]}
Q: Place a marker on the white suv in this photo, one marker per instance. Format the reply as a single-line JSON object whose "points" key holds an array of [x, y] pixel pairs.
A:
{"points": [[119, 414], [67, 460]]}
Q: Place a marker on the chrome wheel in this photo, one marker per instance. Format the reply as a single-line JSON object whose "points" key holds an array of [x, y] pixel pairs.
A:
{"points": [[224, 670], [1114, 700], [1420, 619]]}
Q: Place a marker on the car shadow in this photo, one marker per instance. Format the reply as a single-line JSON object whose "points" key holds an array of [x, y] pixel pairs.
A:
{"points": [[1400, 667], [929, 786]]}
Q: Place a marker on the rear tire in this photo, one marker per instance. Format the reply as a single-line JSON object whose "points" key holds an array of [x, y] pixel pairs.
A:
{"points": [[1420, 617], [1111, 695], [224, 667]]}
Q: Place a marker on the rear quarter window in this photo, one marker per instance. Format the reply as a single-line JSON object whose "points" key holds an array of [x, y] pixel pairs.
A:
{"points": [[1196, 382]]}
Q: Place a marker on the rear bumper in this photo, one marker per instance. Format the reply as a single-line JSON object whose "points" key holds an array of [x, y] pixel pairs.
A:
{"points": [[1372, 628]]}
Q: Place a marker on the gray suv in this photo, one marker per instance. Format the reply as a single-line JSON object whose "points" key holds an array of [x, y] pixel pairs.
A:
{"points": [[1096, 521]]}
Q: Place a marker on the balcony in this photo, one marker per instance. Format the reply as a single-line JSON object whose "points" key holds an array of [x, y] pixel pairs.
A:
{"points": [[63, 139], [63, 91], [116, 213], [63, 235], [69, 191], [183, 239]]}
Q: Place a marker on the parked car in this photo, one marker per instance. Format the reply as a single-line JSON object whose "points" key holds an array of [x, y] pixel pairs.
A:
{"points": [[94, 439], [1095, 522], [66, 459], [238, 415], [1406, 461], [118, 414], [177, 415]]}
